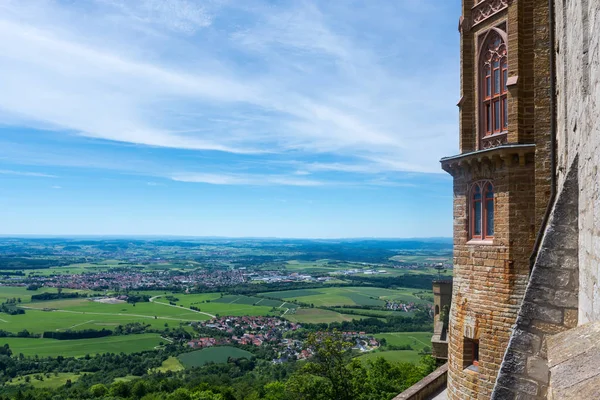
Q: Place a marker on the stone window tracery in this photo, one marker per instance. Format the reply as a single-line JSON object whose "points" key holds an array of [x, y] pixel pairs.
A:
{"points": [[493, 89], [481, 216], [485, 9]]}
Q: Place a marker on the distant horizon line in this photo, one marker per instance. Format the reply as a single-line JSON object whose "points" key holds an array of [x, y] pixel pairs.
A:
{"points": [[157, 236]]}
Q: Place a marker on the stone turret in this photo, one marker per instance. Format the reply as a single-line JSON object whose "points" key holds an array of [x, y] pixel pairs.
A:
{"points": [[442, 298]]}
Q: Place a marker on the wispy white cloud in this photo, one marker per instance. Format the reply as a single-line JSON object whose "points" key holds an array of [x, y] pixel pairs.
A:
{"points": [[176, 15], [56, 187], [246, 180], [295, 80], [26, 173]]}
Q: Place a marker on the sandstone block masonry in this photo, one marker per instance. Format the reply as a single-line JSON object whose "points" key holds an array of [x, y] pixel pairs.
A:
{"points": [[578, 133], [491, 276], [549, 305]]}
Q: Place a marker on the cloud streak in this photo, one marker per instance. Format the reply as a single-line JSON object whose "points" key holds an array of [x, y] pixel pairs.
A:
{"points": [[246, 180], [26, 173], [290, 82]]}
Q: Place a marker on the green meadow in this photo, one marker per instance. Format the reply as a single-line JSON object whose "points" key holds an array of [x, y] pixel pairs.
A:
{"points": [[393, 356], [170, 364], [418, 341], [83, 313], [376, 313], [228, 305], [51, 381], [81, 347], [9, 292], [348, 296], [319, 316]]}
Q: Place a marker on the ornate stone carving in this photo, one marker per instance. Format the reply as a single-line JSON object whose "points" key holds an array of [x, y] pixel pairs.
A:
{"points": [[486, 9], [487, 142]]}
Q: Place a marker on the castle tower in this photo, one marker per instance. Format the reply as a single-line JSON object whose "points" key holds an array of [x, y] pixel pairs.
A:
{"points": [[442, 298], [501, 181]]}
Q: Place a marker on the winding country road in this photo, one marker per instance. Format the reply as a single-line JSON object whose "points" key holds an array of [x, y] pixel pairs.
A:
{"points": [[183, 308]]}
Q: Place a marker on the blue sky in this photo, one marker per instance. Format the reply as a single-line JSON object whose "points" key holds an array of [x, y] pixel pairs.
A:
{"points": [[297, 118]]}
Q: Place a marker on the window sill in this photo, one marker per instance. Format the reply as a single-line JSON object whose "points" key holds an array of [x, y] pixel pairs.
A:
{"points": [[478, 242], [495, 134], [472, 369]]}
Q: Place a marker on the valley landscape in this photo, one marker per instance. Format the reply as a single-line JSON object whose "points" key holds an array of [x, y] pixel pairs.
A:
{"points": [[172, 307]]}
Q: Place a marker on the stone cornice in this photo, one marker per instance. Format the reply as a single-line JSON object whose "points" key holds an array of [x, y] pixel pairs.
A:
{"points": [[507, 154]]}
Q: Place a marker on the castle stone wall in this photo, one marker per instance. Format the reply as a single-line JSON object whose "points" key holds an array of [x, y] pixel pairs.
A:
{"points": [[578, 133], [489, 278], [550, 303]]}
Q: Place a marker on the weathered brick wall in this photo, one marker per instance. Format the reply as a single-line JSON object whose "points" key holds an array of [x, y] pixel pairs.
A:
{"points": [[542, 97], [578, 109], [549, 305], [467, 120], [489, 279]]}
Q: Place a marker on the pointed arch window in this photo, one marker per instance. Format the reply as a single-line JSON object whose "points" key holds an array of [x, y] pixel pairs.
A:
{"points": [[481, 216], [493, 89]]}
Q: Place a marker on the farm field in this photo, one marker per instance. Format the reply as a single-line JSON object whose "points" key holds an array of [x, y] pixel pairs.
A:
{"points": [[187, 300], [147, 308], [228, 305], [83, 313], [218, 354], [393, 356], [36, 321], [81, 347], [9, 292], [170, 364], [53, 381], [250, 300], [348, 296], [318, 316], [376, 313], [320, 266], [417, 340]]}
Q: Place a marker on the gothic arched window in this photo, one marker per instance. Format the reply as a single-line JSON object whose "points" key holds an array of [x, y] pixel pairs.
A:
{"points": [[493, 77], [481, 216]]}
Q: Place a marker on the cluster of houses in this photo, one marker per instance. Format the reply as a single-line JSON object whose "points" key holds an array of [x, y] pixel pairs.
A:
{"points": [[278, 276], [362, 341], [248, 329], [356, 271], [121, 279], [258, 331], [406, 307]]}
